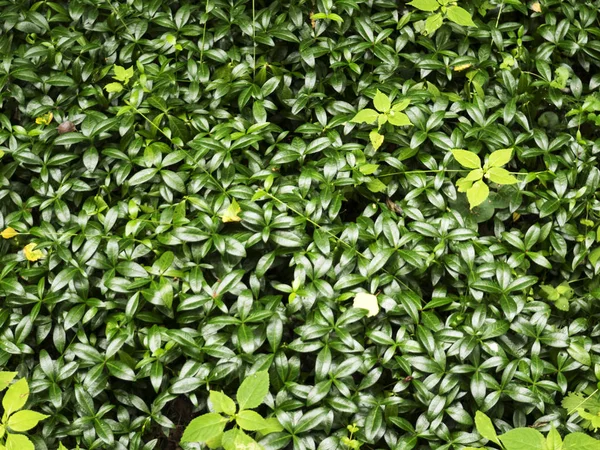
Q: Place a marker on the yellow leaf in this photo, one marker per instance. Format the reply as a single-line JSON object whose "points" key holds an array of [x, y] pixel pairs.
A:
{"points": [[31, 254], [368, 302], [462, 67], [9, 233], [45, 119], [376, 139], [536, 7], [231, 213]]}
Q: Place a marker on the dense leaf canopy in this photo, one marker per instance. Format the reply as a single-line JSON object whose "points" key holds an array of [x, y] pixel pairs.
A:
{"points": [[185, 200]]}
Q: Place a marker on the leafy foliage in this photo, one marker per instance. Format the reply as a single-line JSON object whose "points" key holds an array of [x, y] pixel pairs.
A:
{"points": [[191, 193], [528, 438], [209, 427]]}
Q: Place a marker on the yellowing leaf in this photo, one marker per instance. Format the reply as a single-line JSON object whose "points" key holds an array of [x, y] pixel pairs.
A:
{"points": [[467, 159], [474, 175], [18, 442], [477, 194], [376, 139], [536, 7], [9, 233], [45, 119], [463, 184], [501, 176], [432, 23], [31, 254], [382, 102], [231, 213], [425, 5], [462, 67], [368, 302], [365, 115], [500, 157]]}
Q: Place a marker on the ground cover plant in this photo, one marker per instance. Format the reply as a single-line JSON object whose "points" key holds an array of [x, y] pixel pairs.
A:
{"points": [[390, 208]]}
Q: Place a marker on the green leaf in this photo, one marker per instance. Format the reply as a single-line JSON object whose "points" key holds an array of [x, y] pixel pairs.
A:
{"points": [[425, 5], [6, 378], [113, 87], [365, 115], [485, 427], [222, 403], [580, 441], [467, 159], [500, 157], [122, 74], [15, 397], [236, 439], [272, 425], [25, 420], [477, 194], [376, 186], [398, 119], [250, 420], [433, 22], [376, 139], [382, 102], [203, 428], [553, 440], [460, 16], [523, 439], [18, 442], [501, 176], [253, 390]]}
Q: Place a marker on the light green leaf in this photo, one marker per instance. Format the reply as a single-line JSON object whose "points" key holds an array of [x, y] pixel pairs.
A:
{"points": [[523, 439], [376, 186], [365, 115], [236, 439], [250, 420], [401, 105], [122, 74], [376, 139], [477, 194], [553, 440], [433, 22], [113, 87], [61, 446], [463, 184], [203, 428], [398, 118], [474, 175], [335, 18], [580, 441], [382, 102], [15, 397], [18, 442], [467, 159], [368, 169], [253, 390], [500, 157], [6, 378], [460, 16], [25, 420], [485, 427], [222, 403], [272, 426], [501, 176], [425, 5]]}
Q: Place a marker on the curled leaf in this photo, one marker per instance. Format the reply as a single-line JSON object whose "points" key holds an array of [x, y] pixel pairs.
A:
{"points": [[45, 119], [31, 254], [231, 213]]}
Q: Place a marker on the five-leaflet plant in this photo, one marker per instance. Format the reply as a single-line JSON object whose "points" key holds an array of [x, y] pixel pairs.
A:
{"points": [[209, 428], [531, 439], [14, 419], [477, 190], [386, 112], [442, 9]]}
